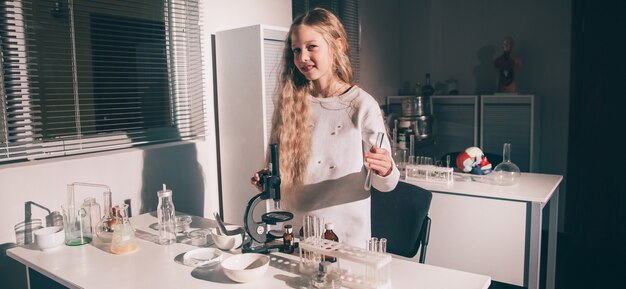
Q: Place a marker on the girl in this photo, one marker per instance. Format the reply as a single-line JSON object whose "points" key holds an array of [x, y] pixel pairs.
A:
{"points": [[324, 125]]}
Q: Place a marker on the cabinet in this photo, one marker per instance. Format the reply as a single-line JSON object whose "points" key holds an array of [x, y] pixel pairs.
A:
{"points": [[456, 122], [511, 119], [247, 64], [487, 121]]}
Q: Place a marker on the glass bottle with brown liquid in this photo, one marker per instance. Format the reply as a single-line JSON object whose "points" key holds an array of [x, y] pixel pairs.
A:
{"points": [[330, 235], [288, 242]]}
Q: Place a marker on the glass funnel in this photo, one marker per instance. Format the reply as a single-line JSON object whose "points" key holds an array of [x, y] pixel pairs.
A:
{"points": [[506, 173]]}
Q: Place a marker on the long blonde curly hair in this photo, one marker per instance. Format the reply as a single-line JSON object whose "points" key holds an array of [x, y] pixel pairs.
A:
{"points": [[291, 125]]}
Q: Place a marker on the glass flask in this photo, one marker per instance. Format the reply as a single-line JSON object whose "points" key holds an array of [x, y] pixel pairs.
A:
{"points": [[104, 228], [506, 173], [123, 240]]}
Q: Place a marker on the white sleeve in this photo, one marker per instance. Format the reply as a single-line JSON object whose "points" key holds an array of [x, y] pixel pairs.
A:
{"points": [[373, 123]]}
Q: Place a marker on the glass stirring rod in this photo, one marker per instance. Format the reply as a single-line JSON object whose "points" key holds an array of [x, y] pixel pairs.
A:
{"points": [[368, 178]]}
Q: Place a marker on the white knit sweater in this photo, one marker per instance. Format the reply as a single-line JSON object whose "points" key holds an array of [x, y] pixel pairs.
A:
{"points": [[344, 127]]}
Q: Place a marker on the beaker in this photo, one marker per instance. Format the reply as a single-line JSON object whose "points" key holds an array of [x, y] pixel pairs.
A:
{"points": [[77, 225], [123, 240]]}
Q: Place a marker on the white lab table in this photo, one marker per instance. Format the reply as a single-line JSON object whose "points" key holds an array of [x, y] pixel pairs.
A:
{"points": [[494, 230], [157, 266]]}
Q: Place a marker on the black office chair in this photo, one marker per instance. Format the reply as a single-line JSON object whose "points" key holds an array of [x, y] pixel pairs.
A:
{"points": [[401, 216]]}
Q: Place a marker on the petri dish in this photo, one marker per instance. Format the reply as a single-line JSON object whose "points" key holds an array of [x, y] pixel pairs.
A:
{"points": [[198, 237]]}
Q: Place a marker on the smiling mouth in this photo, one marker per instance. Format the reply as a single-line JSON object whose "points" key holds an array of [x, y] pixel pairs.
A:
{"points": [[307, 68]]}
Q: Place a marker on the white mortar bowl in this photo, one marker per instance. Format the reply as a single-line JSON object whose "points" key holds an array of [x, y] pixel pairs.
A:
{"points": [[246, 267], [49, 237], [225, 242]]}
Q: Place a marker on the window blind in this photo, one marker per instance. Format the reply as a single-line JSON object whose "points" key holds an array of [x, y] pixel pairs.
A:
{"points": [[348, 12], [81, 76]]}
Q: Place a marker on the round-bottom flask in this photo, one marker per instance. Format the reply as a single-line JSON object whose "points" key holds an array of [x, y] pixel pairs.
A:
{"points": [[506, 173]]}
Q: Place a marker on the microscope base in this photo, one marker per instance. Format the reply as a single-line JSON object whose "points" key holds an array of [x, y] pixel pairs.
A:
{"points": [[262, 248]]}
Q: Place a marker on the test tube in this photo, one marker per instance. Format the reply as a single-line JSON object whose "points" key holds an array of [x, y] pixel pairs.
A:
{"points": [[412, 145], [374, 244], [378, 144], [312, 233], [379, 139], [382, 245], [395, 133]]}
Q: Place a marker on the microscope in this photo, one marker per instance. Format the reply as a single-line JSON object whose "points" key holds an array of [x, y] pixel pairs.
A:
{"points": [[258, 231]]}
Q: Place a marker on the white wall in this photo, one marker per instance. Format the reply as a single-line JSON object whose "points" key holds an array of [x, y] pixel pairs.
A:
{"points": [[380, 47]]}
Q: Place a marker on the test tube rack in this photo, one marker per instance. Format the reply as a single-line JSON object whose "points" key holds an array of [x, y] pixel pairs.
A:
{"points": [[371, 269], [429, 173]]}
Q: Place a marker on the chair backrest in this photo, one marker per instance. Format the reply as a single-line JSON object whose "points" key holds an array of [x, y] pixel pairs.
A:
{"points": [[401, 216]]}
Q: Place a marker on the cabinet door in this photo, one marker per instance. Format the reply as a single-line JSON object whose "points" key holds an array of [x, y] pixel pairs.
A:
{"points": [[273, 44], [247, 67], [455, 122], [509, 119]]}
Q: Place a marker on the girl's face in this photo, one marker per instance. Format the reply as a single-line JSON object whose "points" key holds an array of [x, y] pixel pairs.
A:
{"points": [[312, 55]]}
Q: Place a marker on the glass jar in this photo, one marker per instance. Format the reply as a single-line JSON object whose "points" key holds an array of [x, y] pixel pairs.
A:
{"points": [[104, 228], [326, 277], [93, 209]]}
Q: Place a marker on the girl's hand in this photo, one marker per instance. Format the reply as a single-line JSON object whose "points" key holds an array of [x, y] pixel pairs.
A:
{"points": [[257, 177], [379, 160]]}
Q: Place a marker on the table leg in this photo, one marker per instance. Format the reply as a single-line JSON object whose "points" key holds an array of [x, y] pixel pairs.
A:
{"points": [[534, 252], [27, 277], [552, 234]]}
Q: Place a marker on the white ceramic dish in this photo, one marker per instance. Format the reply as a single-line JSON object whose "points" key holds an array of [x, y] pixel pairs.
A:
{"points": [[202, 257], [49, 237], [225, 242], [247, 267]]}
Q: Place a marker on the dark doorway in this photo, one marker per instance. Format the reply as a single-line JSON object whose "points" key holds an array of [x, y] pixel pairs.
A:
{"points": [[596, 198]]}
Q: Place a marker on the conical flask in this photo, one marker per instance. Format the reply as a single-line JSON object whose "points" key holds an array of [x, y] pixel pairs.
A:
{"points": [[123, 240], [506, 173]]}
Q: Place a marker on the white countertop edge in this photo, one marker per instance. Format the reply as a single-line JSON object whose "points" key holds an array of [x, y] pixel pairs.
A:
{"points": [[536, 188]]}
